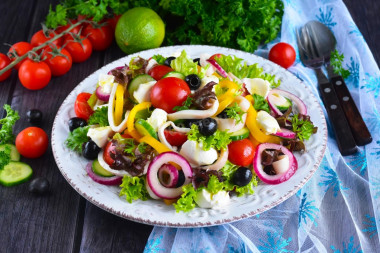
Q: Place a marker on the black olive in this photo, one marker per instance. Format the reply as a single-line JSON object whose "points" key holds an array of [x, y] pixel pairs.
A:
{"points": [[198, 61], [189, 122], [39, 185], [242, 176], [193, 81], [90, 150], [169, 60], [76, 122], [181, 179], [223, 115], [208, 126], [34, 116]]}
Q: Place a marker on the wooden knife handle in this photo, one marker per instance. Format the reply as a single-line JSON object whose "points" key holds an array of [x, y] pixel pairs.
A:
{"points": [[345, 140], [358, 128]]}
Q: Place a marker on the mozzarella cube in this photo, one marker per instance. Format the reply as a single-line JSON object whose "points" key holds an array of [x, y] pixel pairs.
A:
{"points": [[100, 135], [267, 123], [196, 156], [158, 118], [257, 86], [142, 94]]}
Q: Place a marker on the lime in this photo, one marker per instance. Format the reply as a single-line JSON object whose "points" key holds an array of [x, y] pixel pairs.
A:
{"points": [[139, 29]]}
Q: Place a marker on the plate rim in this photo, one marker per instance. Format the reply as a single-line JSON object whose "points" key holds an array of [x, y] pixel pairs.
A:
{"points": [[147, 221]]}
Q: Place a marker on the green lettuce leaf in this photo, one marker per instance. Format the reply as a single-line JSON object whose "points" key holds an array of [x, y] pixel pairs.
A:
{"points": [[186, 66], [186, 202], [133, 188], [219, 140]]}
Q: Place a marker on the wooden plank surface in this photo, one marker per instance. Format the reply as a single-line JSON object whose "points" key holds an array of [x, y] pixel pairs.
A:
{"points": [[63, 221]]}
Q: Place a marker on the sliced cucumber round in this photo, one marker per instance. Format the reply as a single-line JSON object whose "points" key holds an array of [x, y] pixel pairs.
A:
{"points": [[144, 128], [140, 79], [240, 135], [15, 155], [99, 170], [175, 74], [15, 173]]}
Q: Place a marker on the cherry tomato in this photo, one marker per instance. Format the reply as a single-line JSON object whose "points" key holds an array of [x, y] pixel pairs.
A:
{"points": [[19, 49], [158, 71], [113, 21], [110, 148], [283, 54], [168, 93], [34, 75], [59, 65], [241, 152], [175, 138], [100, 37], [39, 38], [4, 61], [82, 108], [32, 142], [78, 52]]}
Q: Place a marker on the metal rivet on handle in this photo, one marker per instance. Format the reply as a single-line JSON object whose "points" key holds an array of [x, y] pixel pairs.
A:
{"points": [[346, 98], [327, 90], [333, 107], [338, 83]]}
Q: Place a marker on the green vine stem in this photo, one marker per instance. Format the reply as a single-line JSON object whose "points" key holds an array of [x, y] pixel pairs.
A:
{"points": [[34, 50]]}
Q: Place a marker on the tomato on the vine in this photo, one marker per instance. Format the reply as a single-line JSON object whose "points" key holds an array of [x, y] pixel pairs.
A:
{"points": [[58, 59], [283, 54], [168, 93], [32, 142], [40, 37], [80, 51], [175, 138], [159, 71], [241, 152], [100, 36], [113, 21], [63, 28], [4, 61], [19, 49], [82, 108], [34, 75]]}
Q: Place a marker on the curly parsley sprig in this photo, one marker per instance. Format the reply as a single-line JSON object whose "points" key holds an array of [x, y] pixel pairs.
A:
{"points": [[336, 61]]}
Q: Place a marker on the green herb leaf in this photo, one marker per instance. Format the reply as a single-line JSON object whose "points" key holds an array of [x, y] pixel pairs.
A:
{"points": [[5, 156], [76, 139], [99, 117], [186, 202], [159, 59], [336, 62], [303, 127], [260, 103], [185, 105], [235, 112], [133, 188], [142, 147], [130, 144], [7, 123], [219, 140], [186, 66]]}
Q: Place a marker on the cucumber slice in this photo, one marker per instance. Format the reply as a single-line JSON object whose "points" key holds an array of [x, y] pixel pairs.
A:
{"points": [[99, 170], [175, 74], [15, 173], [144, 128], [240, 135], [15, 155], [140, 79]]}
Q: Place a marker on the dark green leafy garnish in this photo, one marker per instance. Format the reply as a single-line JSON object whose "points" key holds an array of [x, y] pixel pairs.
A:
{"points": [[99, 117], [303, 127], [77, 138], [336, 62], [7, 123], [260, 103]]}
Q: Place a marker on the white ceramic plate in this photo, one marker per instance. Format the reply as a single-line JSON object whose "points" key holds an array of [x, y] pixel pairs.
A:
{"points": [[155, 212]]}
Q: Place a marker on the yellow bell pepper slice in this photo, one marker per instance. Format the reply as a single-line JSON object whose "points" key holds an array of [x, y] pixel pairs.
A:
{"points": [[223, 105], [132, 115], [119, 104], [255, 130], [158, 146], [232, 89]]}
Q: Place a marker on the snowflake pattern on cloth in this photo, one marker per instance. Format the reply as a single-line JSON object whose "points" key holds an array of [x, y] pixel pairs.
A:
{"points": [[338, 210]]}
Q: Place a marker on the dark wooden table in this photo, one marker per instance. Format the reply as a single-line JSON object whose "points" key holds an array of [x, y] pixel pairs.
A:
{"points": [[63, 221]]}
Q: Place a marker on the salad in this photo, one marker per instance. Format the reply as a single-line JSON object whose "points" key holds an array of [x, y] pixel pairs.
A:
{"points": [[192, 132]]}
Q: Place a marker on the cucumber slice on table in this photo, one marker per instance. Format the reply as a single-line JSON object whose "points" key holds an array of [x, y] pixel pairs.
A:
{"points": [[15, 173], [144, 128], [99, 170], [240, 135], [15, 155], [140, 79], [175, 74]]}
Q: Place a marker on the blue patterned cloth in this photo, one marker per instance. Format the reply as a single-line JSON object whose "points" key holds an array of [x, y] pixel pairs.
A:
{"points": [[338, 210]]}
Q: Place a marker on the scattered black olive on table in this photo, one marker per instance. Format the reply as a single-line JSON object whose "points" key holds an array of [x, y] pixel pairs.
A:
{"points": [[34, 117], [39, 185]]}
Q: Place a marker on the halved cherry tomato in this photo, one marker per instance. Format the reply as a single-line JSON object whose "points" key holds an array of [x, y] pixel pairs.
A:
{"points": [[81, 107], [100, 36], [283, 54], [39, 38], [34, 75], [19, 49], [32, 142], [175, 138], [158, 71], [110, 148], [168, 93], [241, 152], [58, 64], [4, 61]]}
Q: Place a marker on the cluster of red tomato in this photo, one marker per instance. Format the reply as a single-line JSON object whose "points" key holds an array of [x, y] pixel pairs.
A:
{"points": [[56, 59]]}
